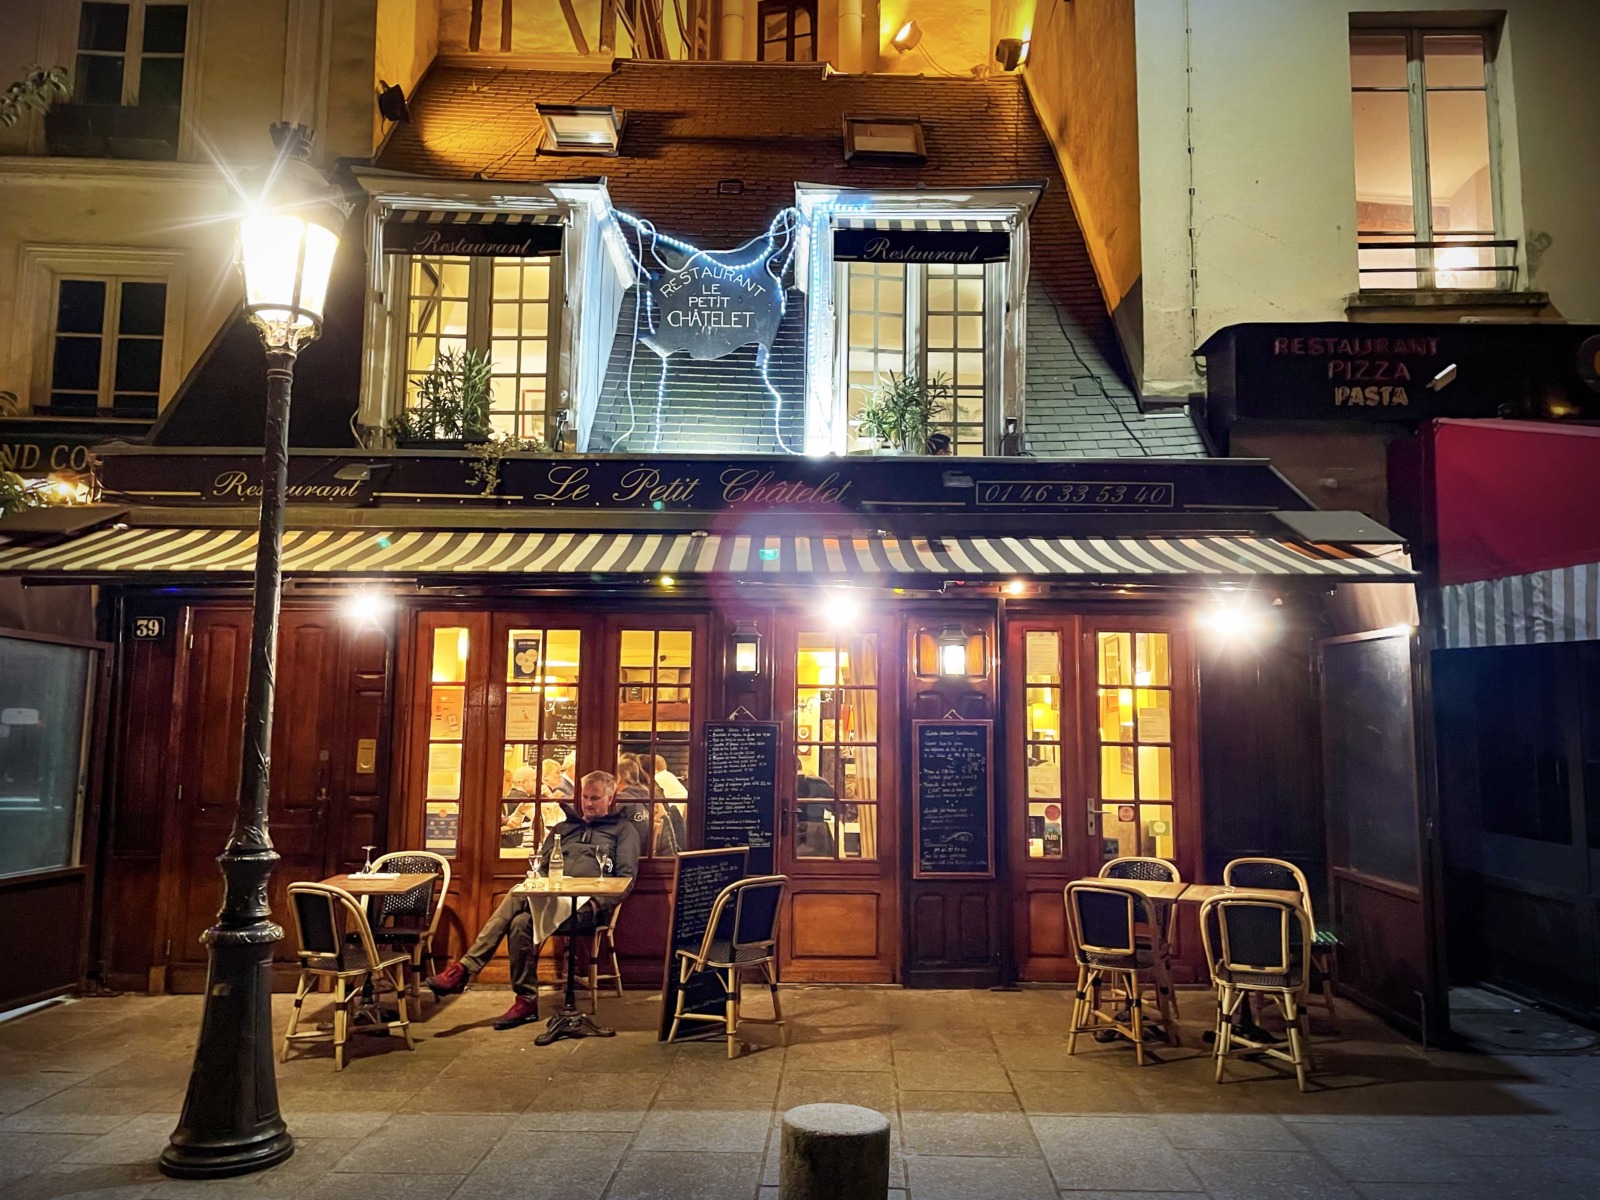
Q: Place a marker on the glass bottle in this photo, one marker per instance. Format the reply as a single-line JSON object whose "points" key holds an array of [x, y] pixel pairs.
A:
{"points": [[556, 868]]}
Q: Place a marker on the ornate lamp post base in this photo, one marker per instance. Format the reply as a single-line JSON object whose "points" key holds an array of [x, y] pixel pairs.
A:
{"points": [[231, 1124]]}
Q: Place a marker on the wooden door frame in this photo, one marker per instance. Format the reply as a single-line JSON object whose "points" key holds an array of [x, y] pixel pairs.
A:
{"points": [[836, 877]]}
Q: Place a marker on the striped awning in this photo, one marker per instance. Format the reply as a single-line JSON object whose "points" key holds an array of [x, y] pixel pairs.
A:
{"points": [[1561, 605], [868, 238], [498, 233], [126, 552]]}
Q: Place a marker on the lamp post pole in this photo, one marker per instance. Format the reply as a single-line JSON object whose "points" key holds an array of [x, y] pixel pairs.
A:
{"points": [[231, 1124]]}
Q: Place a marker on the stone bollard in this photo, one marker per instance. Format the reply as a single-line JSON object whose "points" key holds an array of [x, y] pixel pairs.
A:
{"points": [[834, 1152]]}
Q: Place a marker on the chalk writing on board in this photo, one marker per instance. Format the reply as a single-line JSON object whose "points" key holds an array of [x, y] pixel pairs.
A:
{"points": [[698, 879], [953, 801], [741, 788]]}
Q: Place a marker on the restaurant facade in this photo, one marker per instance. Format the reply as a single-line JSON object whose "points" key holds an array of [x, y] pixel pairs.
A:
{"points": [[706, 570]]}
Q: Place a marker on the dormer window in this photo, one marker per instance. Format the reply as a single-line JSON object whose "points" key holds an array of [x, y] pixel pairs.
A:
{"points": [[890, 139], [581, 129]]}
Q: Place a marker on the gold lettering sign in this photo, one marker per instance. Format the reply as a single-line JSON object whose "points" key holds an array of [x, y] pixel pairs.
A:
{"points": [[238, 484]]}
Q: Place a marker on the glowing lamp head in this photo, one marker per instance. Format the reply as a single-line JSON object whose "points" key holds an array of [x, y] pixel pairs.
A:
{"points": [[366, 608], [746, 645], [905, 38], [1016, 588], [287, 243], [953, 652], [840, 609]]}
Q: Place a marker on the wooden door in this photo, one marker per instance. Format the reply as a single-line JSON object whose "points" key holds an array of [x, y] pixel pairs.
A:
{"points": [[956, 929], [1106, 765], [314, 736], [837, 696]]}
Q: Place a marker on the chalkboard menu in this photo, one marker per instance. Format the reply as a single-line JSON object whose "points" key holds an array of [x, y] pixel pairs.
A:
{"points": [[952, 799], [741, 788], [698, 877]]}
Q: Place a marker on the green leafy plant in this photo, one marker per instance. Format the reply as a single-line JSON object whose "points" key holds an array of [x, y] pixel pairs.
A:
{"points": [[486, 459], [36, 92], [901, 410], [452, 401], [17, 493]]}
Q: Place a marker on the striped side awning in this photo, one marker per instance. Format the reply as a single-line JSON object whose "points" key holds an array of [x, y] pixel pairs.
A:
{"points": [[498, 233], [1561, 605], [125, 552], [869, 238]]}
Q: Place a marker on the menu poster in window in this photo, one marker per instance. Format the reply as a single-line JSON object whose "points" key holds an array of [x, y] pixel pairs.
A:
{"points": [[445, 720], [441, 827], [741, 788], [952, 799], [525, 658], [523, 710], [1155, 725], [698, 877]]}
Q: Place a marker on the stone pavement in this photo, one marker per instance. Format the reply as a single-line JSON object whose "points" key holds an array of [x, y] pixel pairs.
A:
{"points": [[983, 1100]]}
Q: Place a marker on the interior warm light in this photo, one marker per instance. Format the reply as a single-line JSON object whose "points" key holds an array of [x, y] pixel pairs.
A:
{"points": [[953, 651], [746, 640]]}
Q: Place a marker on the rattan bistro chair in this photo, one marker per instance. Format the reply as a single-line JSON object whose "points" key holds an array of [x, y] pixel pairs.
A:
{"points": [[1112, 956], [416, 913], [1256, 944], [602, 945], [335, 942], [741, 935], [1159, 915], [1280, 875]]}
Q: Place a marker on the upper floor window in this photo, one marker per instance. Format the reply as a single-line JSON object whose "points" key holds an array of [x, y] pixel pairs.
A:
{"points": [[932, 321], [1427, 171], [788, 30], [506, 308], [106, 346], [128, 82]]}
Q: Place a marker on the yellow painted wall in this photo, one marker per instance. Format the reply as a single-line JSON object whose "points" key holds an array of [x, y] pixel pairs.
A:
{"points": [[407, 39], [955, 37], [1080, 76]]}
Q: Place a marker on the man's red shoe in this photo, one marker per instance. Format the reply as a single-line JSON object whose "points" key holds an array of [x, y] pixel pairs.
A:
{"points": [[448, 982], [523, 1009]]}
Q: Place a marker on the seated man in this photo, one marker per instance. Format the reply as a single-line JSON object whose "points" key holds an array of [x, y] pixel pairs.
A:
{"points": [[526, 921], [518, 820]]}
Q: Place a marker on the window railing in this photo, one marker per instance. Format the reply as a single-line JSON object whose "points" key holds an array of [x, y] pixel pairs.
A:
{"points": [[1466, 262]]}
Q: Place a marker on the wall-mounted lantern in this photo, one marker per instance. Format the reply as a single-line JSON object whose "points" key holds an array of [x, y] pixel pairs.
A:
{"points": [[745, 644]]}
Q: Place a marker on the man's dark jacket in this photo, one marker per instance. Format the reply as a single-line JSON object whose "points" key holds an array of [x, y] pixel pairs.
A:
{"points": [[582, 843]]}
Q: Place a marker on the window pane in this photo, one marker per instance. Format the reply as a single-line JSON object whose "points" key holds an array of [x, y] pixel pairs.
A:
{"points": [[1155, 773], [103, 27], [1383, 161], [1115, 655], [138, 365], [1044, 714], [1116, 772], [44, 691], [165, 28], [81, 306], [442, 828], [99, 80], [144, 308], [1378, 60], [1155, 828], [1044, 831], [1151, 666], [450, 655], [77, 365], [1458, 162], [161, 83], [1452, 60], [1116, 714], [444, 718], [444, 771]]}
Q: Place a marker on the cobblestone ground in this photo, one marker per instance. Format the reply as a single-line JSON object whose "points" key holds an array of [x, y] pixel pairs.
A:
{"points": [[983, 1101]]}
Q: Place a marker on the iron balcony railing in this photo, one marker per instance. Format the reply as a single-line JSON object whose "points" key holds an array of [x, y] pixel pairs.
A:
{"points": [[1465, 262]]}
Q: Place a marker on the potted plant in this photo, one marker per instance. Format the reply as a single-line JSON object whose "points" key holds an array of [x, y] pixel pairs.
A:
{"points": [[452, 404], [901, 411], [487, 457], [36, 91]]}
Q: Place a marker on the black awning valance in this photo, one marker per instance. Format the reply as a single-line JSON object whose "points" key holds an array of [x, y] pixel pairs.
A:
{"points": [[476, 234], [919, 240]]}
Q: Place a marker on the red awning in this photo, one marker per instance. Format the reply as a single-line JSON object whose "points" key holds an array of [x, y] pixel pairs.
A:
{"points": [[1514, 497]]}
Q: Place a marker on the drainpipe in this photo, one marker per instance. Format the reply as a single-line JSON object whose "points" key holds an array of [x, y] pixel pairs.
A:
{"points": [[733, 29], [850, 23]]}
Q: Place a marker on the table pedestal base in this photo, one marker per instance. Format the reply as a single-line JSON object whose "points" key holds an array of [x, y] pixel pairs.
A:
{"points": [[573, 1023]]}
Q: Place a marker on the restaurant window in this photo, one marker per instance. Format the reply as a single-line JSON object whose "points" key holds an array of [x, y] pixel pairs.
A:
{"points": [[539, 756], [506, 308], [106, 346], [1043, 743], [46, 702], [932, 321], [447, 706], [1134, 734], [836, 744], [1427, 185], [654, 725], [788, 31]]}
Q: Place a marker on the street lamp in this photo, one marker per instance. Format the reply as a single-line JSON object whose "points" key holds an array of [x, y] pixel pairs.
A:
{"points": [[230, 1123]]}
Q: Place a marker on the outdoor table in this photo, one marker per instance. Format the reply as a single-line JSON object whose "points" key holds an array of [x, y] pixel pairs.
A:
{"points": [[571, 1021], [395, 885], [1193, 893]]}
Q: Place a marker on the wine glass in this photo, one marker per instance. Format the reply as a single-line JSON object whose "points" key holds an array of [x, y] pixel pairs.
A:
{"points": [[366, 868], [605, 863]]}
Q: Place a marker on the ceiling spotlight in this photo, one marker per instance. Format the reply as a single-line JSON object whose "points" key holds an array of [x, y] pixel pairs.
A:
{"points": [[840, 609], [392, 102], [1010, 53]]}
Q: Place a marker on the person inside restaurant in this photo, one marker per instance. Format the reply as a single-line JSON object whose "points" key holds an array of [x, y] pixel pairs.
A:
{"points": [[518, 821], [600, 842]]}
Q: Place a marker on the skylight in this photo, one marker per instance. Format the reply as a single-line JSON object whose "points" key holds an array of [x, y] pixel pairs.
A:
{"points": [[580, 129]]}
